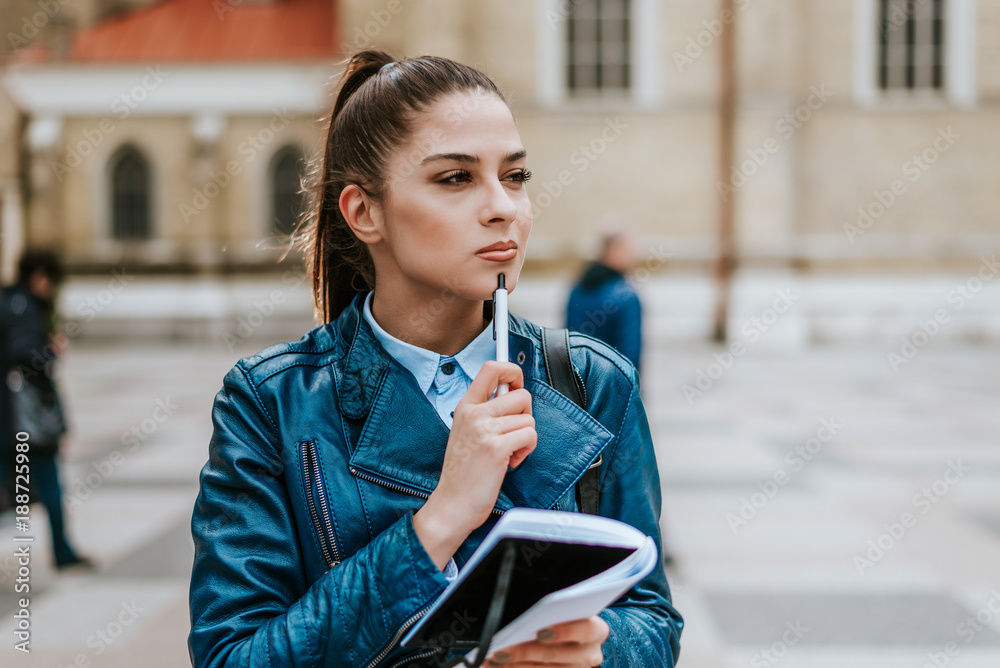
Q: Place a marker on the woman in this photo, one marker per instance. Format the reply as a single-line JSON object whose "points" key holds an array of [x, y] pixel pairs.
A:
{"points": [[351, 472]]}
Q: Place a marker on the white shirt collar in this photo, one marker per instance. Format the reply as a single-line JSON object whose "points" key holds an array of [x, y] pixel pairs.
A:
{"points": [[422, 363]]}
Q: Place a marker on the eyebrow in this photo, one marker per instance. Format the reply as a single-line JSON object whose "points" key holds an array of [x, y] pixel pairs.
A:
{"points": [[471, 159]]}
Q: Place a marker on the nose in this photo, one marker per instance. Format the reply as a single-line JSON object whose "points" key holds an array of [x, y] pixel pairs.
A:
{"points": [[498, 207]]}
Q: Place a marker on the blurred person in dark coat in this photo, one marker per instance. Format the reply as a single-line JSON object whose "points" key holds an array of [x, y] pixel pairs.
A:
{"points": [[29, 399], [603, 303]]}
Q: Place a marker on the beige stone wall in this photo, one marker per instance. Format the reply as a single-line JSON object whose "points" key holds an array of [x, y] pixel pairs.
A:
{"points": [[988, 50]]}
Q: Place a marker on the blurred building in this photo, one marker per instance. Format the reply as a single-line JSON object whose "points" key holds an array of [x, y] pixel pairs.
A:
{"points": [[173, 134]]}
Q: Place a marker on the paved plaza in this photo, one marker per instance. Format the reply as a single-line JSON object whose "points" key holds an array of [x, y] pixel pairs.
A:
{"points": [[822, 508]]}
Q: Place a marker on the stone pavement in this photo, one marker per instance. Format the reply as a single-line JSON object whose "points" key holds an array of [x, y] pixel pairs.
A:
{"points": [[823, 509]]}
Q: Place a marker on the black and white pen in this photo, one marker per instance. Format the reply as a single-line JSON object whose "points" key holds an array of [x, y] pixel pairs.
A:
{"points": [[500, 326]]}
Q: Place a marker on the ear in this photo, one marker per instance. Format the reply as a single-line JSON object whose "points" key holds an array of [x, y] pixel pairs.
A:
{"points": [[363, 216]]}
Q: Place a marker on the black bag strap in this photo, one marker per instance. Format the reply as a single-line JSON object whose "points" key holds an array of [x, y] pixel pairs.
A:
{"points": [[563, 377]]}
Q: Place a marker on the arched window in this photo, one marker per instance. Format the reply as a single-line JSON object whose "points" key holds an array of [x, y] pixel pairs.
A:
{"points": [[286, 201], [130, 196]]}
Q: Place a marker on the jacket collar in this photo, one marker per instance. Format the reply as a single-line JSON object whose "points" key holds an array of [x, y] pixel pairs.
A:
{"points": [[402, 441]]}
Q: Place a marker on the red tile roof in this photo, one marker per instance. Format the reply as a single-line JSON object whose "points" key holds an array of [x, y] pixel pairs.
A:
{"points": [[212, 30]]}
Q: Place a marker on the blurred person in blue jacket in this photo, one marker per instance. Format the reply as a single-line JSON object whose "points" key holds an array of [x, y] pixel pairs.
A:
{"points": [[603, 303]]}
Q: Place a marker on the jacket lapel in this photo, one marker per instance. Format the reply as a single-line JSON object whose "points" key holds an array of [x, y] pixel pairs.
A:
{"points": [[569, 441], [403, 439]]}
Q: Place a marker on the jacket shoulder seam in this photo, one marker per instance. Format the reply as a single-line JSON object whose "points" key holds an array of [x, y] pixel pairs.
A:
{"points": [[292, 348], [287, 351], [274, 372], [256, 395]]}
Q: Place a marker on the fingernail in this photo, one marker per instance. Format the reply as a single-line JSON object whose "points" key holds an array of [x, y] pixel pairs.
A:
{"points": [[502, 657], [545, 635]]}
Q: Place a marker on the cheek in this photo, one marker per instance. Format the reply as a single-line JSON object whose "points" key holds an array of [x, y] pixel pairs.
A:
{"points": [[423, 229], [524, 217]]}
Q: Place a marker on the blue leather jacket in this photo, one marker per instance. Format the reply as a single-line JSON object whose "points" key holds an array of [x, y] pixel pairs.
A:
{"points": [[305, 552]]}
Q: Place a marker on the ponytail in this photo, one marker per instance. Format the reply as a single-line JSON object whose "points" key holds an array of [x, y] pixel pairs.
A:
{"points": [[377, 100]]}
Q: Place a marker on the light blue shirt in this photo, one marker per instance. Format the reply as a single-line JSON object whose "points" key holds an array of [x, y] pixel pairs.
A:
{"points": [[443, 380]]}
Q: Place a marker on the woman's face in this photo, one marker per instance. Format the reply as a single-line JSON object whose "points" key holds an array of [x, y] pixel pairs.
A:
{"points": [[456, 187]]}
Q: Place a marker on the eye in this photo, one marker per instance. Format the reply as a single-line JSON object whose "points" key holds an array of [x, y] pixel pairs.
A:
{"points": [[520, 176], [461, 176]]}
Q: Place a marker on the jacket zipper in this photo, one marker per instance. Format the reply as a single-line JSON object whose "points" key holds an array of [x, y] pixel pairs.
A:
{"points": [[398, 488], [583, 388], [317, 504], [424, 655], [399, 634]]}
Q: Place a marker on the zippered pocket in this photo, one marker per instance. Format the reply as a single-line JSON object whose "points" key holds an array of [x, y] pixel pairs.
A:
{"points": [[399, 488], [319, 509]]}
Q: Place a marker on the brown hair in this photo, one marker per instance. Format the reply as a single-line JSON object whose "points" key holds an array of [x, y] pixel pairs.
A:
{"points": [[372, 117]]}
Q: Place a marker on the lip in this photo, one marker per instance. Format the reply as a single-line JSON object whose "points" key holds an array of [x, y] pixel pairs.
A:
{"points": [[498, 255], [498, 246]]}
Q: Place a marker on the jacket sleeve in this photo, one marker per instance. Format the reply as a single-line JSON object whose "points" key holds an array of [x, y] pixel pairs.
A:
{"points": [[645, 627], [250, 602], [28, 341], [629, 335]]}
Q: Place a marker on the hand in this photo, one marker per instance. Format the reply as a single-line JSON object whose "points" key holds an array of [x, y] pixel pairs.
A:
{"points": [[576, 644], [487, 436], [58, 343]]}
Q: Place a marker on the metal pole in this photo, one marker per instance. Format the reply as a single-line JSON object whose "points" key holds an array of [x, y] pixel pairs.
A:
{"points": [[723, 268]]}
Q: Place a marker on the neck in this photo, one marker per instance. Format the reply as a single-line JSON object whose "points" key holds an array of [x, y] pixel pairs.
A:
{"points": [[442, 326]]}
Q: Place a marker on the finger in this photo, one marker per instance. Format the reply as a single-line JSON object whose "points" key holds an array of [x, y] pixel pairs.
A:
{"points": [[515, 441], [512, 403], [549, 654], [591, 629], [520, 456], [504, 424], [488, 414], [490, 375]]}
